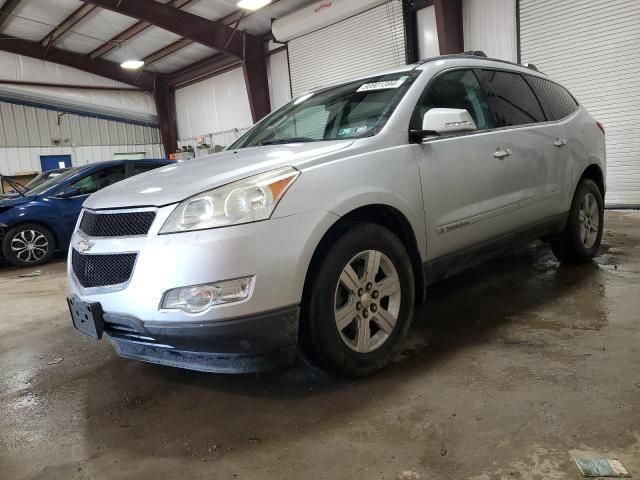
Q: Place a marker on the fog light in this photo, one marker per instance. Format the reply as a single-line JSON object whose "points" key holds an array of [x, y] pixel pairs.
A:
{"points": [[197, 298]]}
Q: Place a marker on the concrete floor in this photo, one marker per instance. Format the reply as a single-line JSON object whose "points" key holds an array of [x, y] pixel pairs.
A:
{"points": [[510, 370]]}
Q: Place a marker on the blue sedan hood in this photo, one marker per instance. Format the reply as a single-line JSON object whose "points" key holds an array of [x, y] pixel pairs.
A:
{"points": [[10, 202]]}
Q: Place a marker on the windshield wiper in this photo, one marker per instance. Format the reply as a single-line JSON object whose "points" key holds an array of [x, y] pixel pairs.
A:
{"points": [[16, 186], [280, 141]]}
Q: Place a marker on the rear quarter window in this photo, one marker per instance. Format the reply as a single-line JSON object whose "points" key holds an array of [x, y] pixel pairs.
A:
{"points": [[510, 98], [556, 100]]}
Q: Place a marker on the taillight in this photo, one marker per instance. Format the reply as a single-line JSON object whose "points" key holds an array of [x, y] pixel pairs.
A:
{"points": [[601, 127]]}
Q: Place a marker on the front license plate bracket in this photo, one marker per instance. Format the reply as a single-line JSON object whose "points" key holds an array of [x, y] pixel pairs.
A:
{"points": [[86, 317]]}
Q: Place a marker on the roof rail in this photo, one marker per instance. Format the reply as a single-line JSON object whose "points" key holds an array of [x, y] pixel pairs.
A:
{"points": [[531, 66], [475, 53]]}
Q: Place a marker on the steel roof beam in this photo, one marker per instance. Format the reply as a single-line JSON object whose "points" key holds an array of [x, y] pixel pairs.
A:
{"points": [[141, 79], [130, 32], [67, 24]]}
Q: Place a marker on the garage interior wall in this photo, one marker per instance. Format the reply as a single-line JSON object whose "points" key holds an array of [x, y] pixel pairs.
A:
{"points": [[279, 84], [26, 132], [591, 47], [367, 42], [490, 26], [218, 105], [427, 33]]}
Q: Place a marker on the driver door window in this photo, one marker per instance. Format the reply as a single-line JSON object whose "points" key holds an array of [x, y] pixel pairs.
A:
{"points": [[100, 179], [456, 89]]}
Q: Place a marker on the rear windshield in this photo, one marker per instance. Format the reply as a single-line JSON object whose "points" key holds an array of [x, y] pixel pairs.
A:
{"points": [[353, 110]]}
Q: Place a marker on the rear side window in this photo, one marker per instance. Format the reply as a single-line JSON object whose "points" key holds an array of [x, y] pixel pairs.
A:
{"points": [[100, 179], [510, 98], [557, 101], [456, 89], [144, 167]]}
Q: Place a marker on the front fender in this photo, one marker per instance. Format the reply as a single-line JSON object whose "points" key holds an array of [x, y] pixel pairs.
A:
{"points": [[388, 176], [32, 212]]}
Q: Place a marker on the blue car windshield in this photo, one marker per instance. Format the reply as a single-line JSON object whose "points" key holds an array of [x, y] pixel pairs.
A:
{"points": [[353, 110], [43, 187]]}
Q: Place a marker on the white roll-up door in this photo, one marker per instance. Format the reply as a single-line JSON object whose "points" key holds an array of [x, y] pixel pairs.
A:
{"points": [[593, 48], [365, 43]]}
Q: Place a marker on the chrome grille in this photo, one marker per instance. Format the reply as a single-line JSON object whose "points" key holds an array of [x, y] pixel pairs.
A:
{"points": [[116, 224], [102, 270]]}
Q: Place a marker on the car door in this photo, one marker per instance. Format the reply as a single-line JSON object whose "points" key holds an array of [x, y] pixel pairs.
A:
{"points": [[465, 187], [559, 105], [532, 163], [70, 207]]}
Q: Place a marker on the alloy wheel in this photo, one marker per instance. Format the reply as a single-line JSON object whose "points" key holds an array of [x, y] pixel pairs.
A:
{"points": [[367, 301], [589, 220], [29, 246]]}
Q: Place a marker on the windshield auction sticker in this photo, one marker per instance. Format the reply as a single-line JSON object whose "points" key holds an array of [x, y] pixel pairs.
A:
{"points": [[367, 87]]}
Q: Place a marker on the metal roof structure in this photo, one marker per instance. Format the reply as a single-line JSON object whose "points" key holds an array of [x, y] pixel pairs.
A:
{"points": [[180, 41], [110, 30]]}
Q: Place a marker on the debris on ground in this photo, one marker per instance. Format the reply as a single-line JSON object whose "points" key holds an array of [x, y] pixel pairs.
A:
{"points": [[35, 273], [601, 467], [55, 361], [409, 475]]}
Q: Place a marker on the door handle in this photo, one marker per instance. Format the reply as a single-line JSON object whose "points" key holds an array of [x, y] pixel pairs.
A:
{"points": [[560, 142], [502, 153]]}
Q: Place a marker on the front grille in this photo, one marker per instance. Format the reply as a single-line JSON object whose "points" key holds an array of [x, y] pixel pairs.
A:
{"points": [[102, 270], [116, 224]]}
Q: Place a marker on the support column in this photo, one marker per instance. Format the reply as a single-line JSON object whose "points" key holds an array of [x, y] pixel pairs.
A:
{"points": [[255, 77], [165, 99], [449, 22], [410, 32]]}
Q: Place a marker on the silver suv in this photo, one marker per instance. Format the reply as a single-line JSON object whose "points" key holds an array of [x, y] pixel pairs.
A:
{"points": [[319, 229]]}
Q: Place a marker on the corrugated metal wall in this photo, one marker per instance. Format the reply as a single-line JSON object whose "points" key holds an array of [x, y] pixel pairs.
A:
{"points": [[592, 48], [27, 132]]}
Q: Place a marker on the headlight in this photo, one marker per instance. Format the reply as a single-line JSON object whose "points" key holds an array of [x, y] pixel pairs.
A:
{"points": [[248, 200]]}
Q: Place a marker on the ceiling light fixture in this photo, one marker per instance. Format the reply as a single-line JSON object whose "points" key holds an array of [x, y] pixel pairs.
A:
{"points": [[132, 64], [253, 4]]}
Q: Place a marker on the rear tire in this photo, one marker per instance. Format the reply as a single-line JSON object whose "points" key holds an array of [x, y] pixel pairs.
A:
{"points": [[359, 303], [581, 237], [28, 245]]}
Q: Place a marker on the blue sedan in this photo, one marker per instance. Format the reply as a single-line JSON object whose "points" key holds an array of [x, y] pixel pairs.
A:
{"points": [[35, 225]]}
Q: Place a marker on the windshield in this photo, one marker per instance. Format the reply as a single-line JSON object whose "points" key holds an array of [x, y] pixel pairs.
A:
{"points": [[40, 179], [43, 187], [353, 110]]}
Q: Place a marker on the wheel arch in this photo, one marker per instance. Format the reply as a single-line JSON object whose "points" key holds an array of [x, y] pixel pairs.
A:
{"points": [[594, 172], [380, 214]]}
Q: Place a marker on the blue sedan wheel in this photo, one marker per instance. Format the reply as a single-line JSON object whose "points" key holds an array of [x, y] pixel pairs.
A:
{"points": [[28, 245]]}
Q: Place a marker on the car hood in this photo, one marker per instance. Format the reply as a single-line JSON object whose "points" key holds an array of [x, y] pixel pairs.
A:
{"points": [[176, 182], [18, 200]]}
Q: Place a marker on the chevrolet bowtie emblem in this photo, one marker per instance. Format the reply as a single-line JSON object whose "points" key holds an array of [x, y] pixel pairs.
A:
{"points": [[84, 246]]}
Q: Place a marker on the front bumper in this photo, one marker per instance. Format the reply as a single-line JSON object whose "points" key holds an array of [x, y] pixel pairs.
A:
{"points": [[276, 253], [249, 344]]}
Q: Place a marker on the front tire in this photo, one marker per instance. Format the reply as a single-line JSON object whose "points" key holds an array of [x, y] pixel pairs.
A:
{"points": [[581, 237], [28, 245], [358, 309]]}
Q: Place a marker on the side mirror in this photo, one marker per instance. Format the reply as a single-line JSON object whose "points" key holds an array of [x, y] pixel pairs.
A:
{"points": [[448, 120], [69, 192], [444, 121]]}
